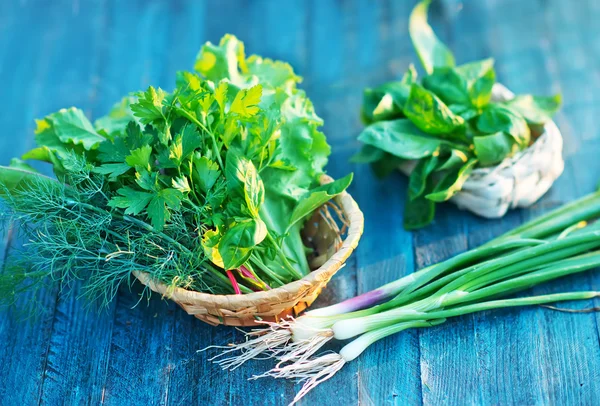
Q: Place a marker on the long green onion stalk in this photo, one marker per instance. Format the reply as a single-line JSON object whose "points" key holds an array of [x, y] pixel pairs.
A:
{"points": [[563, 242]]}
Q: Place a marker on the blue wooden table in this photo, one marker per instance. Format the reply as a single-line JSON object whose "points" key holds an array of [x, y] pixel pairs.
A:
{"points": [[58, 53]]}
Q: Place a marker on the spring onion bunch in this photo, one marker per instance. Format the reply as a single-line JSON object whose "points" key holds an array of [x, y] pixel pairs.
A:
{"points": [[563, 242]]}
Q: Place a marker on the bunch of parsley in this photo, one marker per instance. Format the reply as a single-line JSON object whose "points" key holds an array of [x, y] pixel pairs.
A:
{"points": [[206, 187], [447, 123]]}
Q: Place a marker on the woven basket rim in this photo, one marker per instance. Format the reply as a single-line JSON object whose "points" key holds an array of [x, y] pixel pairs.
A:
{"points": [[234, 301]]}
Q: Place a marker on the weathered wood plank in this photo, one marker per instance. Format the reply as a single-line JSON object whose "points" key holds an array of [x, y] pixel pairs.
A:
{"points": [[27, 61], [339, 47]]}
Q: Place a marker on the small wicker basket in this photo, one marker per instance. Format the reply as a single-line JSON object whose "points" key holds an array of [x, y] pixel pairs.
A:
{"points": [[321, 232], [518, 181]]}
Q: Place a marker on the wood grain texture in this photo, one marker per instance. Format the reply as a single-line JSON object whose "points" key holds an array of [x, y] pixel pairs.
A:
{"points": [[56, 54]]}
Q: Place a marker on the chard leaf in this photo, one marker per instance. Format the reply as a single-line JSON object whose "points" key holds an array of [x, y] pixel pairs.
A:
{"points": [[237, 242], [277, 74], [50, 155], [243, 180], [316, 198], [400, 138], [417, 180], [216, 62], [210, 246], [72, 127], [60, 133], [497, 118], [20, 164], [430, 114], [431, 51], [535, 110], [492, 149], [451, 183], [18, 179]]}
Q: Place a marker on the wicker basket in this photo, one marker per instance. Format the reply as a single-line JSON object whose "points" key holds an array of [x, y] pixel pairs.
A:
{"points": [[322, 233], [518, 181]]}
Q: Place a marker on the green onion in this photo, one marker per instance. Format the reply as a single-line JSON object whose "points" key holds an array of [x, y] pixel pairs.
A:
{"points": [[557, 244]]}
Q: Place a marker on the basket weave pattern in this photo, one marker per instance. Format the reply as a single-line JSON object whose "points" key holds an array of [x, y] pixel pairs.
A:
{"points": [[321, 232], [518, 181]]}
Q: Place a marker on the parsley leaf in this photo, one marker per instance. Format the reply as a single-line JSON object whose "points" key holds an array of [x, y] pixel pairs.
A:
{"points": [[246, 101]]}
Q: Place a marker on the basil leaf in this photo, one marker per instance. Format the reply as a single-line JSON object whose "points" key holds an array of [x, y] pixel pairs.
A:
{"points": [[431, 51], [535, 110], [430, 114], [480, 77], [386, 165], [497, 118], [448, 85], [418, 213], [367, 154], [456, 158], [410, 76], [384, 102], [469, 85], [243, 180], [451, 183], [317, 197], [492, 149], [400, 138], [417, 180]]}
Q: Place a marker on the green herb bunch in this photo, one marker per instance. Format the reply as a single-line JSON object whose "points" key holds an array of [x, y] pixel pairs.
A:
{"points": [[447, 122], [206, 187]]}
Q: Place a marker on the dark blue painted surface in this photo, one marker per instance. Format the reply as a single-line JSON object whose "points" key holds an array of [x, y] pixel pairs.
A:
{"points": [[59, 53]]}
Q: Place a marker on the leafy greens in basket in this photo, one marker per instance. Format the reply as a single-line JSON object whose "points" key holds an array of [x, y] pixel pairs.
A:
{"points": [[446, 124], [205, 188]]}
